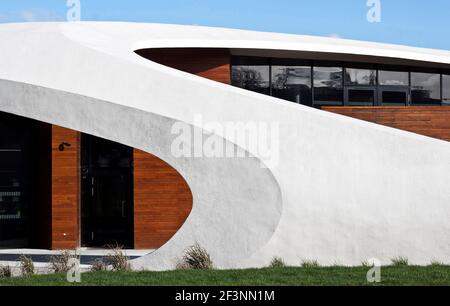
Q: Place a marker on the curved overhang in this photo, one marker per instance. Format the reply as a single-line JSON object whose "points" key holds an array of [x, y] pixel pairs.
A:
{"points": [[87, 77]]}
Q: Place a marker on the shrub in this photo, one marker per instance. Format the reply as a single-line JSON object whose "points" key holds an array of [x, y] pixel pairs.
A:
{"points": [[310, 264], [366, 264], [181, 265], [277, 262], [436, 263], [60, 263], [5, 272], [197, 258], [26, 265], [117, 259], [98, 265], [400, 261]]}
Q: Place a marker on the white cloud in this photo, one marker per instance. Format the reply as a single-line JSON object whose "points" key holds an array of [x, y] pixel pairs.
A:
{"points": [[31, 15], [40, 15]]}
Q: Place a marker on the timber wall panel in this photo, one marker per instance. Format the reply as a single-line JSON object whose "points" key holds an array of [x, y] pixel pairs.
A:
{"points": [[213, 64], [162, 201], [432, 121], [65, 189]]}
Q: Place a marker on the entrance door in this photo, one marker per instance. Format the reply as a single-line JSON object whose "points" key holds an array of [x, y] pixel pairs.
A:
{"points": [[19, 160], [394, 96], [107, 193]]}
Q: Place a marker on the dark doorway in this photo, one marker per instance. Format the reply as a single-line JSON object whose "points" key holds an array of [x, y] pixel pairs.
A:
{"points": [[107, 193], [25, 152]]}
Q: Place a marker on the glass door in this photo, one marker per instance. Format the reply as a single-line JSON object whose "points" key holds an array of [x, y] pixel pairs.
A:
{"points": [[107, 193], [17, 195]]}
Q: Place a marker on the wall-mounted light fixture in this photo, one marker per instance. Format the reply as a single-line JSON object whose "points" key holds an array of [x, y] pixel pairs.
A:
{"points": [[63, 146]]}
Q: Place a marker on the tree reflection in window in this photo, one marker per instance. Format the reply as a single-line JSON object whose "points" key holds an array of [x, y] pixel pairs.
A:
{"points": [[252, 74], [328, 87], [292, 83], [425, 88], [446, 89], [367, 77]]}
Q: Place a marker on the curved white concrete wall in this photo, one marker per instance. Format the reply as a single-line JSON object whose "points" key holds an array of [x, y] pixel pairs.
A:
{"points": [[343, 191]]}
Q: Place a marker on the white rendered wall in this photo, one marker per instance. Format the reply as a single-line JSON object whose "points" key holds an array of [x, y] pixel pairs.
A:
{"points": [[343, 191]]}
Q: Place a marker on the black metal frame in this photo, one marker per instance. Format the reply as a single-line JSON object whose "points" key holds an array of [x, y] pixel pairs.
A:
{"points": [[361, 88], [90, 175], [343, 65]]}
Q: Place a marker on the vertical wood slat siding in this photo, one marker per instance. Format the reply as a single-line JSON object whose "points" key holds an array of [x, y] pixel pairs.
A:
{"points": [[65, 189], [432, 121], [162, 201], [213, 64]]}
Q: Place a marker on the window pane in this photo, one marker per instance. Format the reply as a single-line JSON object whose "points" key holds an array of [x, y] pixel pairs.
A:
{"points": [[360, 77], [361, 97], [425, 88], [394, 78], [252, 74], [328, 87], [292, 83], [394, 98], [446, 89]]}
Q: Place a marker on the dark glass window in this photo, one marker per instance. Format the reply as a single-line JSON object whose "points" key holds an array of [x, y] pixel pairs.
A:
{"points": [[354, 76], [328, 87], [362, 97], [446, 89], [394, 78], [394, 97], [108, 154], [425, 88], [292, 83], [251, 73], [18, 182]]}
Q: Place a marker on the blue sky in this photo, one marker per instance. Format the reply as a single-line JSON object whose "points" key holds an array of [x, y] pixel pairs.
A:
{"points": [[410, 22]]}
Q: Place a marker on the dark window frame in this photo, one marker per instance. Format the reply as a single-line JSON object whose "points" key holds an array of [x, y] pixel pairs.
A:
{"points": [[378, 87], [328, 64]]}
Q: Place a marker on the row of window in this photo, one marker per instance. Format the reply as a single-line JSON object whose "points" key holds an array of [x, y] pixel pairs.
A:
{"points": [[326, 83]]}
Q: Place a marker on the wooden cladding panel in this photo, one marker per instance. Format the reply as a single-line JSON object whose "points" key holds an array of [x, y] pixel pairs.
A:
{"points": [[162, 201], [432, 121], [213, 64], [65, 189]]}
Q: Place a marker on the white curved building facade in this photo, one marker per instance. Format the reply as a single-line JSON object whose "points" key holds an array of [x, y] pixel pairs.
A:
{"points": [[329, 187]]}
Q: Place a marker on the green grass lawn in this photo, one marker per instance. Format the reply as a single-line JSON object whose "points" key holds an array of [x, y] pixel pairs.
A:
{"points": [[392, 275]]}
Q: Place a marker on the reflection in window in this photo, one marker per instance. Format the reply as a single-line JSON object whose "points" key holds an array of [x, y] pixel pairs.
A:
{"points": [[446, 89], [108, 154], [425, 88], [366, 77], [252, 74], [328, 87], [292, 83], [394, 78]]}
